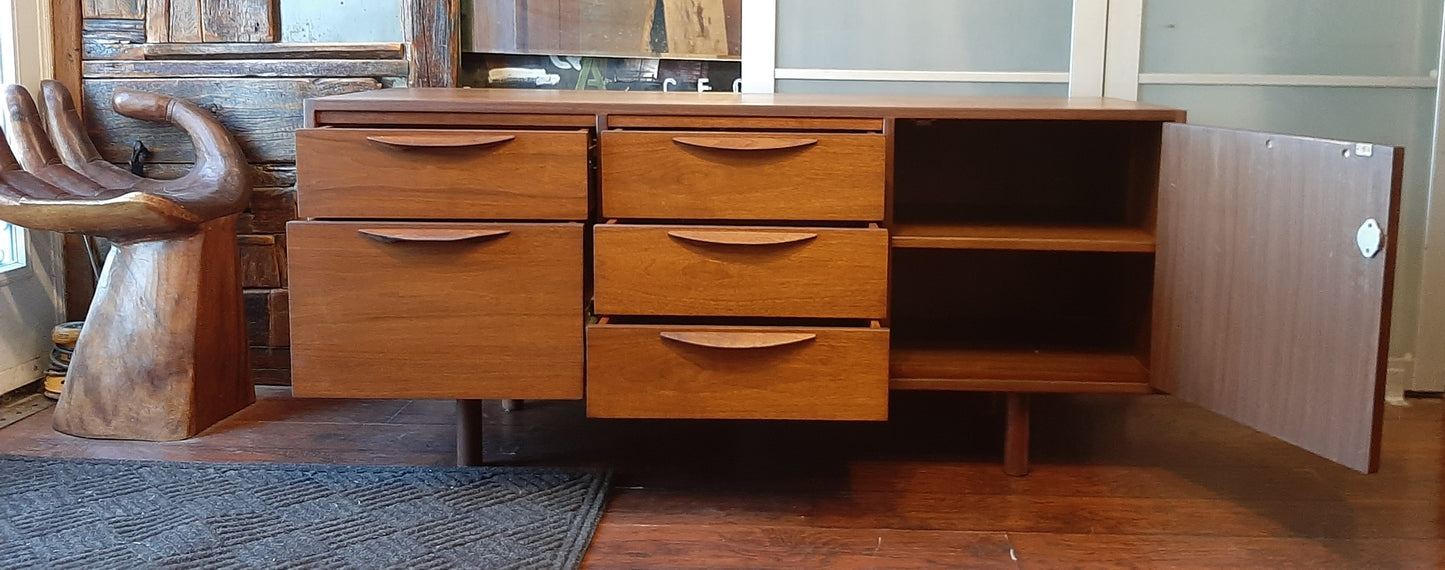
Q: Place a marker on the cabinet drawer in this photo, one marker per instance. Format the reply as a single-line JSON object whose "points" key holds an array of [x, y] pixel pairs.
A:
{"points": [[745, 176], [805, 373], [725, 271], [418, 310], [452, 174]]}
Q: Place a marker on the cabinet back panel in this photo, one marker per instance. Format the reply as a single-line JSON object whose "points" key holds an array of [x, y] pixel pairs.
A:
{"points": [[1022, 300], [1025, 172]]}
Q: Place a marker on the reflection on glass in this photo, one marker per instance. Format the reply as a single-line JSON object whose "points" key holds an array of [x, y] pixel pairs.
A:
{"points": [[12, 246], [674, 29]]}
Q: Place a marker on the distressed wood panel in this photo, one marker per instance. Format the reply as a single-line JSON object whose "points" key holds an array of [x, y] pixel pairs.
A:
{"points": [[696, 27], [240, 20], [262, 261], [246, 68], [263, 176], [112, 39], [158, 20], [233, 50], [267, 327], [126, 9], [263, 115], [435, 52], [270, 209], [184, 21]]}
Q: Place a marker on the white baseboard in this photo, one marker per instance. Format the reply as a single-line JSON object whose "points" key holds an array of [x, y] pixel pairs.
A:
{"points": [[22, 374], [1399, 376]]}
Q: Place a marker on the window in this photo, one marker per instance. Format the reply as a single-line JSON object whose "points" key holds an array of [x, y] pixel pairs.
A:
{"points": [[12, 247], [12, 237]]}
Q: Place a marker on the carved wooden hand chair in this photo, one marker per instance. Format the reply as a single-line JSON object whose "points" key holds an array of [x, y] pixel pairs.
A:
{"points": [[163, 354]]}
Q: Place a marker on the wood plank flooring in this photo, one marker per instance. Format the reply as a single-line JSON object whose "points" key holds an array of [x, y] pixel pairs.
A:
{"points": [[1118, 481]]}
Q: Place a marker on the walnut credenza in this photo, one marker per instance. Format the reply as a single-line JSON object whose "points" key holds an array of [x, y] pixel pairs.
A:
{"points": [[715, 256]]}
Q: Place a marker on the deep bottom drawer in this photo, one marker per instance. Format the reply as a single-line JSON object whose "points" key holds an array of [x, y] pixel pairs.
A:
{"points": [[436, 310], [725, 372]]}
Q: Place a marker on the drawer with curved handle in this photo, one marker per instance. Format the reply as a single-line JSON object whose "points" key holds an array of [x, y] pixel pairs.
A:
{"points": [[725, 271], [742, 176], [436, 310], [724, 372], [442, 174]]}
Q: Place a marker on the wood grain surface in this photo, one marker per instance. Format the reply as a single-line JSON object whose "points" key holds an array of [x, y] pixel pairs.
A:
{"points": [[663, 174], [1117, 482], [743, 271], [457, 174], [743, 123], [642, 371], [1022, 237], [751, 105], [180, 298], [262, 114], [1265, 310], [479, 319]]}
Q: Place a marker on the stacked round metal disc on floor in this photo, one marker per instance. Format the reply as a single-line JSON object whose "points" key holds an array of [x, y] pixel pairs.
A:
{"points": [[64, 336]]}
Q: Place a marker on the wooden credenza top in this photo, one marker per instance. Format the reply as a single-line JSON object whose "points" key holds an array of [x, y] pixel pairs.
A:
{"points": [[439, 100]]}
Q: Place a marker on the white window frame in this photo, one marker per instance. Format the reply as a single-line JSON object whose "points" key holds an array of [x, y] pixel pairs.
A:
{"points": [[26, 27]]}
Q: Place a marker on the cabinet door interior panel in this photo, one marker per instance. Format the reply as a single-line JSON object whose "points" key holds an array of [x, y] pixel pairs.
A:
{"points": [[436, 310], [1266, 311]]}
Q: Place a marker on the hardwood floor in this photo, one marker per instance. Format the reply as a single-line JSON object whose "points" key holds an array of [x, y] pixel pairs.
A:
{"points": [[1117, 481]]}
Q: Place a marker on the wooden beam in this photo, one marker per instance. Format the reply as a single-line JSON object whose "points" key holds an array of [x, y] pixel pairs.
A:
{"points": [[65, 37], [112, 39], [263, 114], [123, 9], [158, 20], [246, 68], [433, 35], [207, 51]]}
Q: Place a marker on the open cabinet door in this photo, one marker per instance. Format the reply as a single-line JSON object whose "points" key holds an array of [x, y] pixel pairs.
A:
{"points": [[1266, 309]]}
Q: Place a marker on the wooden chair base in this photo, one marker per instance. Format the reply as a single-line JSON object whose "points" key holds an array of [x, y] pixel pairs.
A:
{"points": [[163, 354]]}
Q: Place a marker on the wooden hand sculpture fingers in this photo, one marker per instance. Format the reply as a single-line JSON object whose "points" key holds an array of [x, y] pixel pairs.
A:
{"points": [[86, 194]]}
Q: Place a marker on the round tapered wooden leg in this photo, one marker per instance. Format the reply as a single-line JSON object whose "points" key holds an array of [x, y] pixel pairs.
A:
{"points": [[1016, 436], [469, 432]]}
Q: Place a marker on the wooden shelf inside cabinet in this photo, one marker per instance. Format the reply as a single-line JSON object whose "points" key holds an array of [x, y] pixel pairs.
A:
{"points": [[1017, 371], [1023, 237]]}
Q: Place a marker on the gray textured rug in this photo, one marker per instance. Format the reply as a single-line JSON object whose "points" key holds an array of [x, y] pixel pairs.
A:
{"points": [[86, 513]]}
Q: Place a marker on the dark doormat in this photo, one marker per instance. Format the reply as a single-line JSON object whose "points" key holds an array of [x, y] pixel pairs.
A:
{"points": [[90, 513]]}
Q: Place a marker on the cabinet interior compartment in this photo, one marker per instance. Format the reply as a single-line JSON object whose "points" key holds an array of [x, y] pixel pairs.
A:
{"points": [[1025, 184], [1020, 320]]}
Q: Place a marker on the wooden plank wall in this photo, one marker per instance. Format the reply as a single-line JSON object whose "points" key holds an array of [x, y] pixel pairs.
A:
{"points": [[219, 54]]}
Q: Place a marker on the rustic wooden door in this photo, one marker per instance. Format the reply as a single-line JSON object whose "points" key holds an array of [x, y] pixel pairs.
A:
{"points": [[1273, 283]]}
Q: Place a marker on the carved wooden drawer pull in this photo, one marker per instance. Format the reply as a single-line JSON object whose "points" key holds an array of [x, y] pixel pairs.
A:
{"points": [[738, 340], [443, 140], [741, 237], [423, 235], [737, 143]]}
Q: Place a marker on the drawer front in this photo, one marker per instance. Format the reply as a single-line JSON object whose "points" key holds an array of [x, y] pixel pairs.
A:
{"points": [[658, 371], [724, 271], [450, 174], [744, 176], [418, 310]]}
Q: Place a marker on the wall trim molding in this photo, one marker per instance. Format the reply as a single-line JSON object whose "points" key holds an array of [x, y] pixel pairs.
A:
{"points": [[1272, 80], [1061, 77], [1399, 375]]}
